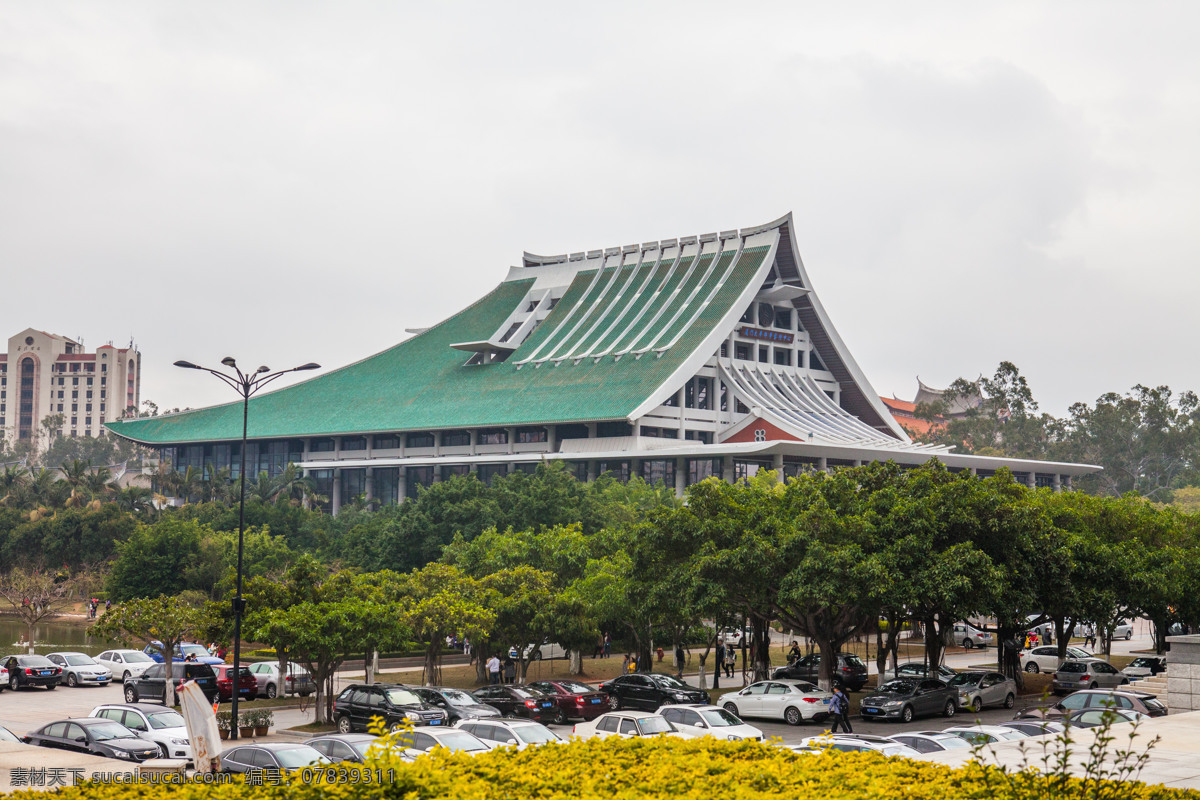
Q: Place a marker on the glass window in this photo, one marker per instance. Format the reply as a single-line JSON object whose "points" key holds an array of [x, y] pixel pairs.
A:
{"points": [[493, 436], [456, 439], [701, 468], [814, 361], [317, 446], [628, 728], [764, 354], [618, 469], [386, 441], [656, 471], [741, 351], [488, 472], [783, 357], [354, 443], [418, 477], [697, 393], [619, 428], [531, 435], [699, 436], [783, 318], [419, 440]]}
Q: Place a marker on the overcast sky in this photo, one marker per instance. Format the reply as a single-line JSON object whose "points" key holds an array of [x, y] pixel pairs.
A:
{"points": [[296, 181]]}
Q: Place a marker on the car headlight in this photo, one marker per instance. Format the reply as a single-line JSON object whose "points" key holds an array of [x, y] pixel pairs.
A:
{"points": [[180, 741], [679, 695], [893, 704], [411, 715], [733, 738], [122, 754]]}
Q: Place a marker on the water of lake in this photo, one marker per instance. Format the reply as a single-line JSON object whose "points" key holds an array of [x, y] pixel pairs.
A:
{"points": [[50, 637]]}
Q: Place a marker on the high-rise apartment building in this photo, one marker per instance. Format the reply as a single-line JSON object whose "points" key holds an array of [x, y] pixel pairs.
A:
{"points": [[43, 374]]}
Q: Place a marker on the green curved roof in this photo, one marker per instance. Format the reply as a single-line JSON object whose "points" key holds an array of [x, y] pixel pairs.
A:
{"points": [[425, 384]]}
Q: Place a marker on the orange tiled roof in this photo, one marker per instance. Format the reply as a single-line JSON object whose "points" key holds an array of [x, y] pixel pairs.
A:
{"points": [[904, 412]]}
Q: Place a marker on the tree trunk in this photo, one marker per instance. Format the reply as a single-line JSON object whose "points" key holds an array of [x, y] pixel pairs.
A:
{"points": [[762, 649], [700, 680], [319, 714], [828, 663], [479, 651], [431, 675], [1060, 634], [575, 662], [169, 662], [29, 633], [369, 665], [934, 641]]}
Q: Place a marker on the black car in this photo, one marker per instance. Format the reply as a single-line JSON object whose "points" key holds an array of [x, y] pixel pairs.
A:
{"points": [[457, 704], [651, 690], [519, 701], [99, 737], [32, 670], [152, 684], [357, 704], [906, 698], [850, 672], [271, 755], [339, 747]]}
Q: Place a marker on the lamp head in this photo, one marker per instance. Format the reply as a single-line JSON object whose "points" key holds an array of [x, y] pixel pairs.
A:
{"points": [[188, 365], [309, 365], [229, 362], [262, 369]]}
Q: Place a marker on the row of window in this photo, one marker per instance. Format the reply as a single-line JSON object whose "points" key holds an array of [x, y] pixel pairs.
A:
{"points": [[391, 441], [765, 315]]}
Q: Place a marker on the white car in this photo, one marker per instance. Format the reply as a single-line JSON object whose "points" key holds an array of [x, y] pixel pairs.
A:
{"points": [[152, 722], [695, 720], [986, 734], [509, 732], [536, 652], [969, 636], [80, 669], [626, 725], [858, 743], [1045, 658], [125, 663], [298, 680], [791, 700], [424, 739]]}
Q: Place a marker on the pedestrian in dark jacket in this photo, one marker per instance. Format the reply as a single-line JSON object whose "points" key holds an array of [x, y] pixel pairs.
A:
{"points": [[839, 708]]}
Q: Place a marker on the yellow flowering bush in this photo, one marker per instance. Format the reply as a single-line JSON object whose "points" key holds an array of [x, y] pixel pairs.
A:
{"points": [[609, 769]]}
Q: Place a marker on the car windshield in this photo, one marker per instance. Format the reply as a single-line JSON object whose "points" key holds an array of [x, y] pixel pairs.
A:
{"points": [[668, 681], [719, 718], [952, 742], [966, 679], [652, 725], [34, 661], [298, 757], [1143, 662], [79, 660], [899, 687], [1013, 735], [526, 694], [806, 688], [976, 737], [456, 697], [1072, 666], [1075, 652], [853, 660], [136, 657], [110, 730], [402, 697], [8, 736], [535, 734], [362, 747], [166, 719], [193, 650], [576, 687], [894, 749], [460, 740]]}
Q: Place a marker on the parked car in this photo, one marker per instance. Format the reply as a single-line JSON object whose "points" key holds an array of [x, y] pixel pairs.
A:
{"points": [[162, 726], [152, 684], [3, 677], [1125, 697], [931, 741], [536, 652], [1035, 727], [859, 743], [651, 690], [850, 672], [247, 684], [181, 653], [125, 664], [98, 737], [358, 703], [625, 725], [977, 689], [31, 670], [339, 747], [918, 669], [1045, 659], [907, 698], [426, 739], [297, 681], [509, 732], [1095, 717], [575, 699], [81, 669], [1145, 667], [986, 734], [8, 736], [969, 636], [790, 700], [694, 721], [271, 755], [1122, 630], [457, 704], [1086, 673], [519, 701]]}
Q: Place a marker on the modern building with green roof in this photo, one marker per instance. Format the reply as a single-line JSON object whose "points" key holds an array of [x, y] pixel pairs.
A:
{"points": [[675, 360]]}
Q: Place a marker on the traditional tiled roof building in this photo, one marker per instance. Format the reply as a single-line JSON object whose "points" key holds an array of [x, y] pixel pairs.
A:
{"points": [[675, 360]]}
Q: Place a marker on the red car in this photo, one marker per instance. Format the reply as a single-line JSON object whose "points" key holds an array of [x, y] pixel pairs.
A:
{"points": [[575, 700], [247, 685]]}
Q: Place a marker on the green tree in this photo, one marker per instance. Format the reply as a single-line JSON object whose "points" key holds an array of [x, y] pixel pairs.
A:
{"points": [[441, 600], [37, 595], [161, 621]]}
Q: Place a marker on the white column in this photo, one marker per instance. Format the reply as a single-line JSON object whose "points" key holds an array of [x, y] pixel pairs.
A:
{"points": [[336, 500], [777, 465], [370, 481], [727, 473], [680, 476], [823, 464]]}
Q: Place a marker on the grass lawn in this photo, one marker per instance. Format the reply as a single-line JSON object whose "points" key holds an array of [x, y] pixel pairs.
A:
{"points": [[313, 727]]}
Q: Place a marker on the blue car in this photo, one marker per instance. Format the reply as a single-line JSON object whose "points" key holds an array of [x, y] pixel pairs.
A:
{"points": [[182, 651]]}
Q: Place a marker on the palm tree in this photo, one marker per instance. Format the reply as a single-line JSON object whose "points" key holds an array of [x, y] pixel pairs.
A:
{"points": [[12, 481], [98, 481], [216, 483], [188, 485], [134, 498]]}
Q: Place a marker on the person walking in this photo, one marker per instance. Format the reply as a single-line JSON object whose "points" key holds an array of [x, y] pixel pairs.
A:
{"points": [[625, 665], [510, 670], [599, 649], [607, 645], [730, 660], [839, 709], [680, 659], [493, 668]]}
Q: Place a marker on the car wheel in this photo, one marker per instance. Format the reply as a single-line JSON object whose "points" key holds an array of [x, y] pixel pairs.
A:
{"points": [[1010, 701], [343, 724], [560, 718], [1124, 681], [305, 694], [510, 715], [950, 708], [792, 716], [72, 681], [906, 715], [1128, 635], [125, 677], [272, 691], [12, 683], [131, 695], [537, 655], [968, 644], [977, 705], [732, 709], [51, 687], [163, 751], [1032, 668], [1094, 685]]}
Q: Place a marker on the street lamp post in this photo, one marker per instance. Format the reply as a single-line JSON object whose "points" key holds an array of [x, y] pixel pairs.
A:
{"points": [[247, 385]]}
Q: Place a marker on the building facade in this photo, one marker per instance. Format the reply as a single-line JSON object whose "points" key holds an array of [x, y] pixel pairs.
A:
{"points": [[43, 374], [674, 360]]}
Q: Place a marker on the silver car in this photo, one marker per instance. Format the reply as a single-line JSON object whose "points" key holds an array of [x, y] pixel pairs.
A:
{"points": [[297, 681], [80, 669], [977, 689], [1086, 673]]}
